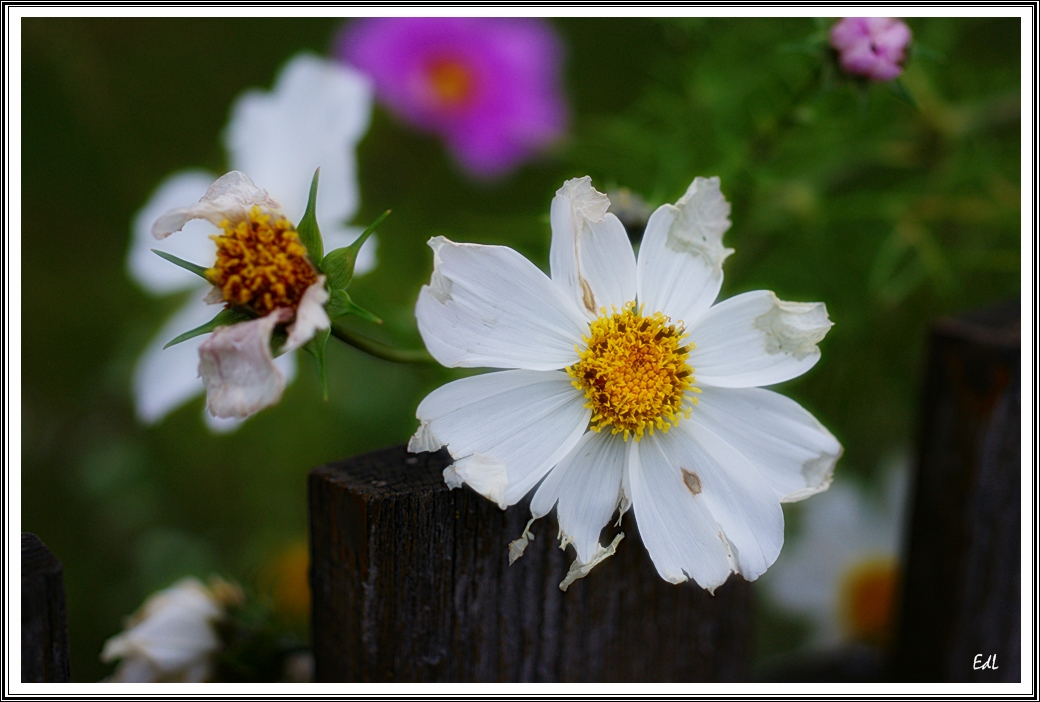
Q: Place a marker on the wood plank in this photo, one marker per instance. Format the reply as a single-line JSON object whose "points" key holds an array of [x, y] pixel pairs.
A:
{"points": [[411, 583], [961, 600], [45, 637]]}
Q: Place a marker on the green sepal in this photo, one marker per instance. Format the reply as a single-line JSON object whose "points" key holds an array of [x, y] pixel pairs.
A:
{"points": [[226, 317], [186, 265], [340, 304], [338, 266], [307, 229], [316, 347]]}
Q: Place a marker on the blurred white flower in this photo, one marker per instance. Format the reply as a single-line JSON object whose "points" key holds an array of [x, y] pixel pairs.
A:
{"points": [[314, 117], [172, 638], [605, 351], [842, 571], [299, 667]]}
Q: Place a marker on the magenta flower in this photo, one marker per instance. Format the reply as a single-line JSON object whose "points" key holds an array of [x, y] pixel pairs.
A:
{"points": [[871, 46], [488, 86]]}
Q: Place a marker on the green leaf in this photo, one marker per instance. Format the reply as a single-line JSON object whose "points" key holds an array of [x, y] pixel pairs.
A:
{"points": [[316, 347], [308, 230], [226, 317], [338, 266], [340, 304], [186, 265]]}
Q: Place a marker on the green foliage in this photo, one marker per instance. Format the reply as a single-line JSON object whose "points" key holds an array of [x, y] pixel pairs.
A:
{"points": [[228, 315], [338, 265], [308, 229], [340, 304], [316, 348], [198, 270]]}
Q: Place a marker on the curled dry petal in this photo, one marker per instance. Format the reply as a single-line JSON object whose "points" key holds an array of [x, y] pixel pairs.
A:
{"points": [[485, 474], [310, 316], [680, 260], [230, 197], [238, 369]]}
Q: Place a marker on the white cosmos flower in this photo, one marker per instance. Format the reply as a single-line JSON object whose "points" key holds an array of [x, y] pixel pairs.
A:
{"points": [[171, 638], [630, 389], [842, 572], [261, 265], [314, 117]]}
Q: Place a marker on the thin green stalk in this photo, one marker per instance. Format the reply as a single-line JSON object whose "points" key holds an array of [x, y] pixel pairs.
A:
{"points": [[379, 349]]}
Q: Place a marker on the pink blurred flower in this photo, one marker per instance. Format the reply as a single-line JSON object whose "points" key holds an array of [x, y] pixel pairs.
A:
{"points": [[871, 46], [488, 86]]}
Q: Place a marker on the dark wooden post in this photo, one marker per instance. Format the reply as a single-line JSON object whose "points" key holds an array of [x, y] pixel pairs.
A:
{"points": [[411, 583], [45, 638], [961, 600]]}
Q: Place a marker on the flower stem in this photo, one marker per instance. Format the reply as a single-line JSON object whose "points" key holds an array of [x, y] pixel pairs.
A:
{"points": [[379, 349]]}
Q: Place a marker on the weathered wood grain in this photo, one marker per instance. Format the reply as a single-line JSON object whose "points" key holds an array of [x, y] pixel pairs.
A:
{"points": [[962, 569], [411, 582], [45, 638]]}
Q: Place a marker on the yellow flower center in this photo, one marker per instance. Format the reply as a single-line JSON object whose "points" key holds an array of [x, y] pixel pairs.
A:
{"points": [[261, 263], [452, 82], [867, 596], [634, 373]]}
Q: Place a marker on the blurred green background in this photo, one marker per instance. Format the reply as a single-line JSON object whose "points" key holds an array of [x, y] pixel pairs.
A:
{"points": [[891, 213]]}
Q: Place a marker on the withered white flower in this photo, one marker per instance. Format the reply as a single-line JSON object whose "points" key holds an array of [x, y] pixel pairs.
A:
{"points": [[172, 638], [630, 389], [841, 573], [314, 116], [261, 265]]}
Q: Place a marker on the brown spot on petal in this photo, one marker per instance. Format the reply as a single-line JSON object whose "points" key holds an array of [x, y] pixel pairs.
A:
{"points": [[587, 297], [693, 483]]}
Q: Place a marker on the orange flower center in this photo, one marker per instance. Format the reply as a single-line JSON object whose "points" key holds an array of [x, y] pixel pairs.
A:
{"points": [[634, 373], [261, 263], [452, 82], [868, 595]]}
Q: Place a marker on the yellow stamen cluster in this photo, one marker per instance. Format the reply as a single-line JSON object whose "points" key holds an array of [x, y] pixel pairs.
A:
{"points": [[261, 263], [634, 373]]}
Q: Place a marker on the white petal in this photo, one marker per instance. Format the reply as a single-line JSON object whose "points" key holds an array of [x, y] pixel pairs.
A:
{"points": [[485, 474], [591, 258], [681, 255], [230, 197], [225, 425], [310, 316], [237, 368], [338, 237], [173, 630], [757, 339], [747, 514], [514, 425], [164, 379], [152, 273], [587, 483], [220, 425], [488, 306], [314, 117], [793, 452], [678, 531], [136, 670]]}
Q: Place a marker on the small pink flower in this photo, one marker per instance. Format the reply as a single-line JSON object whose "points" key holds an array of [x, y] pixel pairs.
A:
{"points": [[489, 86], [871, 46]]}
